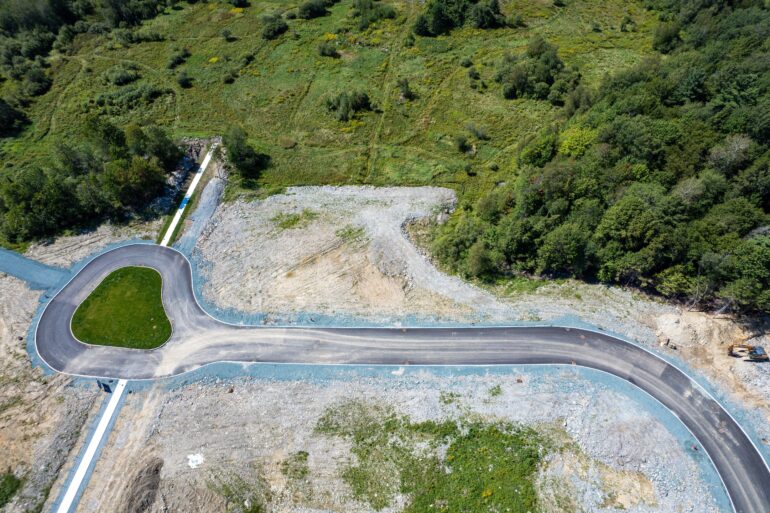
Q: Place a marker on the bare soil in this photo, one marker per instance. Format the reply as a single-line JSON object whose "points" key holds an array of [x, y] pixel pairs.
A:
{"points": [[40, 416], [244, 432]]}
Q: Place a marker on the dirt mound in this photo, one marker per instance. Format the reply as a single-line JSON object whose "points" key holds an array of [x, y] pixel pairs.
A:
{"points": [[141, 493]]}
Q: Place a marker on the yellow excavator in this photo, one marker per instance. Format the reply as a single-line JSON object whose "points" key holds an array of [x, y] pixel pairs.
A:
{"points": [[752, 353]]}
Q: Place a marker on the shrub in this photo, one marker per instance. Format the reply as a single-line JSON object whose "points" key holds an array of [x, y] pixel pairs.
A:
{"points": [[462, 144], [9, 484], [478, 132], [473, 74], [36, 82], [273, 27], [229, 77], [369, 12], [576, 141], [328, 49], [486, 15], [184, 80], [346, 105], [466, 62], [121, 75], [246, 160], [128, 98], [406, 91], [178, 58], [539, 151], [9, 118], [666, 37], [312, 9]]}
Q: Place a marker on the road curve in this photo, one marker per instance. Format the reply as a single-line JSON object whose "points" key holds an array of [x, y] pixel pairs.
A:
{"points": [[199, 339]]}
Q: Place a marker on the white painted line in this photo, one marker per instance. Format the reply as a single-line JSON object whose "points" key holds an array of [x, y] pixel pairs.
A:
{"points": [[187, 196], [93, 445]]}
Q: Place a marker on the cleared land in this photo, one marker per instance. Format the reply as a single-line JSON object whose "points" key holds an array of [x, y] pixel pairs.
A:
{"points": [[345, 443], [125, 310]]}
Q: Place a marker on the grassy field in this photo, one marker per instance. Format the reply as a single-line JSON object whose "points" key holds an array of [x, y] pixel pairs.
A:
{"points": [[485, 467], [125, 310], [281, 86]]}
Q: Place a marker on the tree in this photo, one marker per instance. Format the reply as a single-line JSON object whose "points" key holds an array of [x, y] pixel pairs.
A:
{"points": [[9, 118], [246, 160], [479, 261], [565, 249], [273, 27], [666, 37], [748, 271], [312, 9]]}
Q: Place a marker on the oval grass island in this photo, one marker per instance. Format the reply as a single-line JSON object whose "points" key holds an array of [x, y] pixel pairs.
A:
{"points": [[124, 310]]}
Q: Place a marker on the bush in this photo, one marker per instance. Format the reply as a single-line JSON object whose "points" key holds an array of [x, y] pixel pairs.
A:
{"points": [[346, 105], [9, 484], [328, 49], [121, 75], [178, 58], [486, 15], [369, 12], [441, 16], [184, 80], [312, 9], [9, 118], [666, 37], [478, 132], [36, 82], [539, 151], [273, 27], [462, 144], [229, 77], [246, 160], [405, 90]]}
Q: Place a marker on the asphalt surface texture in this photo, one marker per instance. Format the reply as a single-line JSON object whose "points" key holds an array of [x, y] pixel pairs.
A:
{"points": [[199, 339]]}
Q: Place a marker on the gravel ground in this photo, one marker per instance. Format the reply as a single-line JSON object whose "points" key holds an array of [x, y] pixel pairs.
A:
{"points": [[40, 416], [347, 255], [623, 456]]}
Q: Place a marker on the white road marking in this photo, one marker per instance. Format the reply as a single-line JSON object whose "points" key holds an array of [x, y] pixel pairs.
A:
{"points": [[68, 501], [93, 445], [187, 196]]}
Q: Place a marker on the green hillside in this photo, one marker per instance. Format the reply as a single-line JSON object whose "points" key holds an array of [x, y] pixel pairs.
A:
{"points": [[620, 140]]}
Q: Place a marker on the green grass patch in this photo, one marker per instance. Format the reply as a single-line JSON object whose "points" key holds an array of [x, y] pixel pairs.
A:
{"points": [[351, 233], [296, 466], [125, 310], [485, 467], [9, 485], [299, 220]]}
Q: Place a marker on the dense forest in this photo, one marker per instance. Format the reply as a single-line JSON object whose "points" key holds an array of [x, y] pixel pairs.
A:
{"points": [[658, 179]]}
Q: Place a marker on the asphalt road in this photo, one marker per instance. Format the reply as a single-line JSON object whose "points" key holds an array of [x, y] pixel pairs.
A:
{"points": [[199, 339]]}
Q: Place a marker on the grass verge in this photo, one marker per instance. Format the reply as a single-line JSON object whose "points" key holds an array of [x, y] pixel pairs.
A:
{"points": [[125, 310]]}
